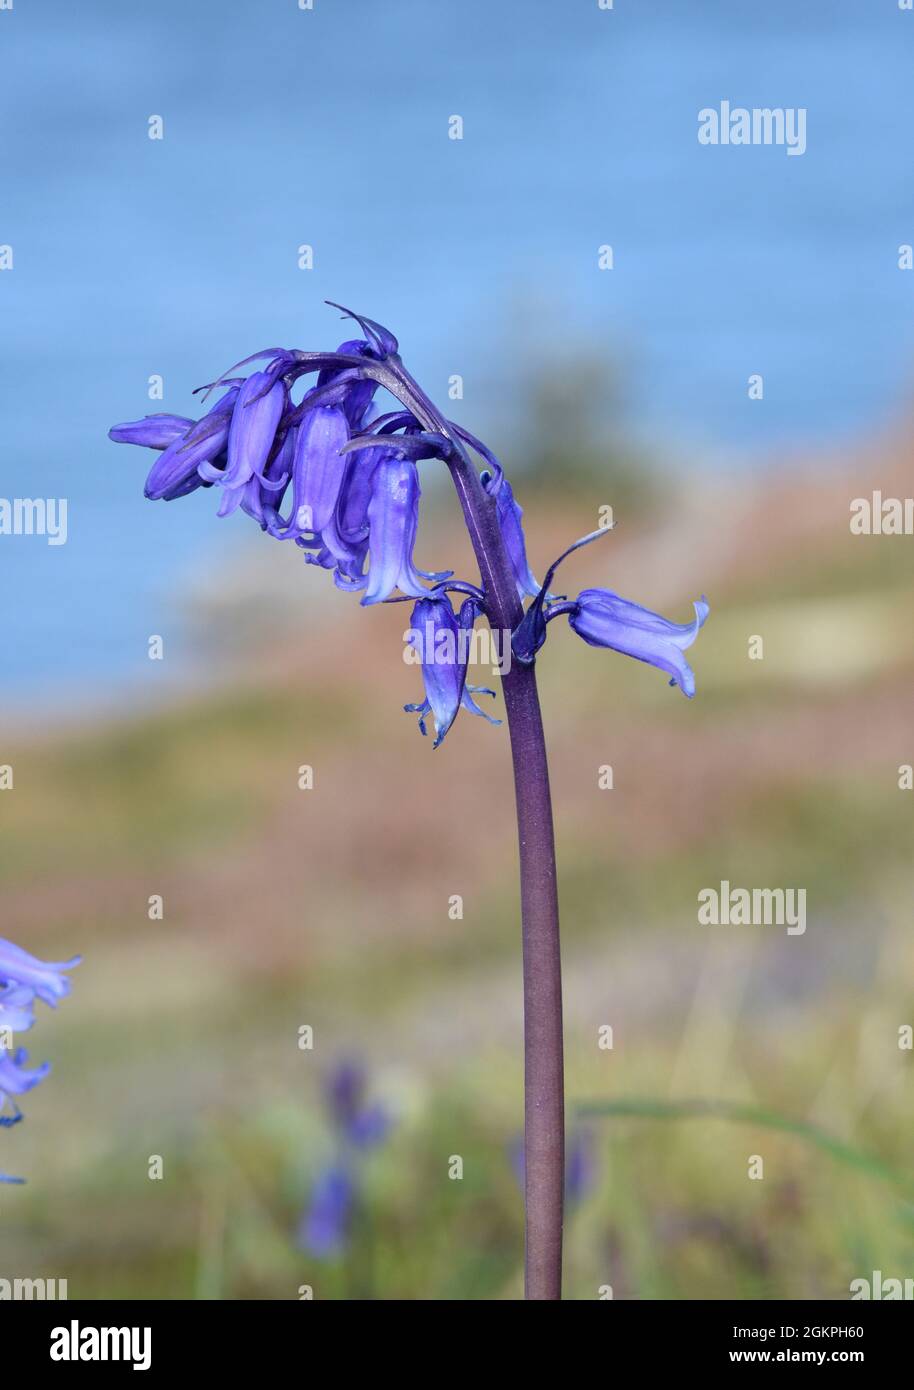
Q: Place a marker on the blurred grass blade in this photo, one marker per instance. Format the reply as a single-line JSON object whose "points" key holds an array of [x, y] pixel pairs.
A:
{"points": [[644, 1108]]}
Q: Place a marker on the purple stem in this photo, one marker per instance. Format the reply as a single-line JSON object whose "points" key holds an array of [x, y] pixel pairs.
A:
{"points": [[544, 1087]]}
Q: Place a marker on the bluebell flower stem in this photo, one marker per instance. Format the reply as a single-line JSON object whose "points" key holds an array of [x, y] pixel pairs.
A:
{"points": [[544, 1085], [544, 1088]]}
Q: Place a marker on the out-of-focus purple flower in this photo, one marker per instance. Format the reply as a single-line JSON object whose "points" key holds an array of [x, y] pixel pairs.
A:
{"points": [[604, 619], [580, 1164], [580, 1167], [358, 1125], [441, 641], [510, 523], [324, 1228], [357, 1122]]}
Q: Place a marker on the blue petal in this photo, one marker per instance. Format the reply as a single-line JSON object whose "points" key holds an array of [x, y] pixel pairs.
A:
{"points": [[153, 432], [255, 418], [318, 469], [176, 470], [393, 520], [324, 1229], [604, 619], [509, 521], [45, 978]]}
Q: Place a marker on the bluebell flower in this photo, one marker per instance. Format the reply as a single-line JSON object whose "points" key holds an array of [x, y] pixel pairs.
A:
{"points": [[358, 1125], [604, 619], [509, 521], [181, 468], [15, 1080], [20, 970], [324, 1228], [23, 979], [357, 1121], [393, 520], [17, 1012], [312, 456], [256, 414], [441, 642], [343, 485], [153, 431]]}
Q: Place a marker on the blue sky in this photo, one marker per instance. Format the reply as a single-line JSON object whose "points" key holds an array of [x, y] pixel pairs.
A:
{"points": [[330, 127]]}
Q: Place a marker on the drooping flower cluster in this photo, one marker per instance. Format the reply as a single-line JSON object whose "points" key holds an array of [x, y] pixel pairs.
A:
{"points": [[342, 482], [358, 1126], [23, 979]]}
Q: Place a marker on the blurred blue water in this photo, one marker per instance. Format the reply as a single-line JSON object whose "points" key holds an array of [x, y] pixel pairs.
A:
{"points": [[329, 127]]}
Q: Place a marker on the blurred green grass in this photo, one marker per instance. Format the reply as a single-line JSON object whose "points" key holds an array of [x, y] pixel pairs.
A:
{"points": [[330, 908]]}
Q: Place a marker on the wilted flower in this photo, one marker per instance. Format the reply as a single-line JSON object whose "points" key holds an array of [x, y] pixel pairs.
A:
{"points": [[23, 979]]}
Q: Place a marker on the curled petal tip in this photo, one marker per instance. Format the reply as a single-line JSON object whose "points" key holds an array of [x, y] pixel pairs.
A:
{"points": [[381, 337], [604, 619]]}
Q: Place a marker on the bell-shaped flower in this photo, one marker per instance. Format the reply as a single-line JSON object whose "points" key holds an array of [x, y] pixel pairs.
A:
{"points": [[255, 417], [604, 619], [393, 520], [46, 980], [345, 537], [318, 471], [17, 1012], [153, 431], [177, 471], [512, 531], [23, 979], [441, 642], [15, 1081]]}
